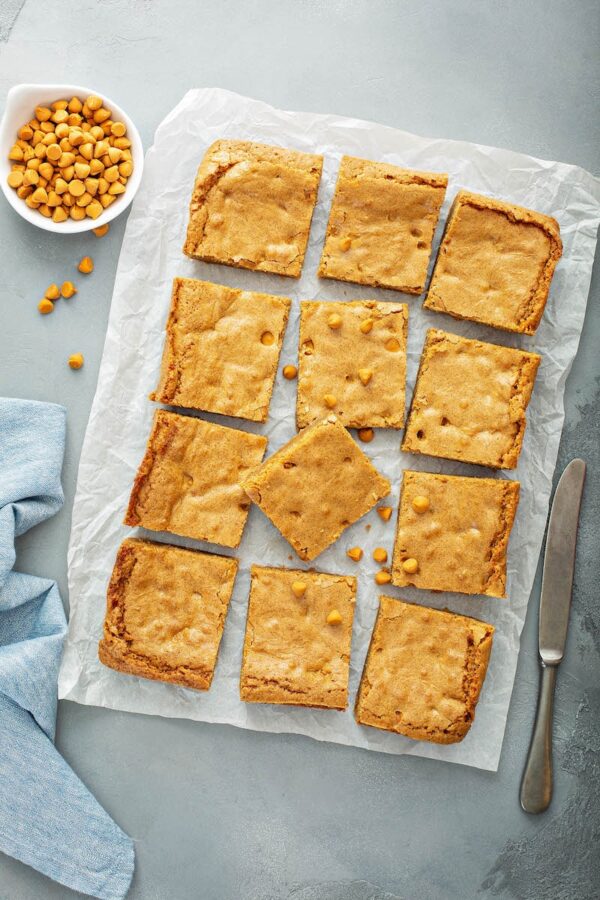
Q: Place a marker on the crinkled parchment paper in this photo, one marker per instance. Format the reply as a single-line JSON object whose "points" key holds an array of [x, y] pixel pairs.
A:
{"points": [[121, 413]]}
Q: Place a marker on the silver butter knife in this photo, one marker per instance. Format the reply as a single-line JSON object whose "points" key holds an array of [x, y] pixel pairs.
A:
{"points": [[555, 603]]}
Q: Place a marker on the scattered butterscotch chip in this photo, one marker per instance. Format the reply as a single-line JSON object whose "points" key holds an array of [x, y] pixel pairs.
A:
{"points": [[334, 617], [380, 555], [365, 375], [329, 400], [392, 345], [52, 292], [355, 553], [334, 321], [366, 435], [383, 577], [420, 503], [267, 338], [68, 289], [76, 361], [101, 230], [410, 566], [366, 326], [45, 306], [298, 588], [289, 372], [86, 265], [384, 513]]}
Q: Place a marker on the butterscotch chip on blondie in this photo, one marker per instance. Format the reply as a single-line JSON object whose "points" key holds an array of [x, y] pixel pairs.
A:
{"points": [[456, 530], [495, 263], [381, 225], [165, 613], [469, 401], [252, 205], [221, 349], [298, 635], [315, 486], [424, 672], [352, 361], [189, 481]]}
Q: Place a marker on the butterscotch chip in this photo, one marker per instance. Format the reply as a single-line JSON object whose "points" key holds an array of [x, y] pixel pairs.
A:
{"points": [[165, 613], [214, 357], [252, 205], [461, 539], [495, 264], [424, 672], [381, 225], [469, 401], [189, 481], [367, 380], [315, 486], [291, 654]]}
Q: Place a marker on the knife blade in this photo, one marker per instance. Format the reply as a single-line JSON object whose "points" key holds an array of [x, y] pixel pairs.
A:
{"points": [[555, 604]]}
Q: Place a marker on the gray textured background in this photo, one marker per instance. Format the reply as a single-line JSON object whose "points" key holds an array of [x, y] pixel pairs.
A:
{"points": [[222, 814]]}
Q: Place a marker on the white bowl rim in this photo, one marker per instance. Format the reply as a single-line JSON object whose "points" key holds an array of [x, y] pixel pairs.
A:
{"points": [[8, 129]]}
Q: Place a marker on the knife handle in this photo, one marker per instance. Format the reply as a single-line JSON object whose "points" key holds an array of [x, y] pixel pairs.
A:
{"points": [[536, 787]]}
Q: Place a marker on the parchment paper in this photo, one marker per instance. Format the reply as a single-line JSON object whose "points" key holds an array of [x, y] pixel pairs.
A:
{"points": [[121, 413]]}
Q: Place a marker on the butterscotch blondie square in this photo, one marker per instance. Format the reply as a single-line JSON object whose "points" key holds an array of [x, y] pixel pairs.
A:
{"points": [[352, 361], [298, 636], [424, 672], [453, 533], [381, 225], [315, 486], [495, 264], [252, 206], [189, 481], [165, 612], [469, 401], [221, 349]]}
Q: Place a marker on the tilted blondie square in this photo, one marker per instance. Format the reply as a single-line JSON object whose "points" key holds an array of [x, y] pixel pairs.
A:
{"points": [[381, 225], [221, 349], [453, 533], [189, 481], [352, 361], [495, 263], [298, 636], [424, 672], [469, 401], [165, 612], [315, 486], [252, 206]]}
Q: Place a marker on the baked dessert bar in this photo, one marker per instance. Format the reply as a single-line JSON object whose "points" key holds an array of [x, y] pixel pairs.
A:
{"points": [[453, 533], [221, 349], [298, 635], [352, 361], [189, 481], [165, 612], [381, 225], [252, 205], [424, 672], [495, 263], [469, 401], [315, 486]]}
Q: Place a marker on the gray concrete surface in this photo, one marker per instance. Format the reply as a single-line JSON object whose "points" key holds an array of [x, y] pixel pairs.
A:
{"points": [[222, 814]]}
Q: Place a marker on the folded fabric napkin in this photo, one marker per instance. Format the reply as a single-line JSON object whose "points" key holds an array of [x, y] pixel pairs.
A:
{"points": [[48, 819]]}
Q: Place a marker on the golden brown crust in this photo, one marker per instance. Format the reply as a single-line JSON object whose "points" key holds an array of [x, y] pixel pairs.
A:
{"points": [[214, 357], [381, 225], [252, 206], [424, 672], [315, 486], [291, 654], [469, 401], [495, 263], [165, 612], [460, 541], [331, 360], [189, 481]]}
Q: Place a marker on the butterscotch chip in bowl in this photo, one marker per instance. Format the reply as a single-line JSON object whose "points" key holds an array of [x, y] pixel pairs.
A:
{"points": [[221, 350], [315, 486], [252, 206], [189, 481], [165, 614], [353, 365], [469, 401], [495, 263], [457, 530], [424, 672], [297, 646], [381, 225]]}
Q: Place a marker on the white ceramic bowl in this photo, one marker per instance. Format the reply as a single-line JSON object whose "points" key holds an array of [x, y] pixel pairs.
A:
{"points": [[20, 105]]}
